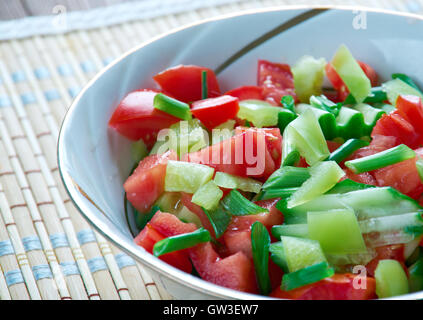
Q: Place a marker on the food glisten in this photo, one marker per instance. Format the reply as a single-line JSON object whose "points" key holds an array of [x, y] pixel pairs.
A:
{"points": [[288, 188]]}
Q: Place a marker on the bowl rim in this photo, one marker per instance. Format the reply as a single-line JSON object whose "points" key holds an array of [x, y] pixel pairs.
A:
{"points": [[139, 254]]}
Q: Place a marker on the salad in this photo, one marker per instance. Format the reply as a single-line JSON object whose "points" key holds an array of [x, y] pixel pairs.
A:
{"points": [[305, 186]]}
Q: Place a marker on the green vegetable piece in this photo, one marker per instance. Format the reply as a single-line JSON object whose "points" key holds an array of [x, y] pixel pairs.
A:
{"points": [[204, 85], [323, 103], [348, 148], [287, 177], [290, 153], [169, 202], [288, 103], [419, 166], [285, 116], [398, 222], [219, 219], [237, 205], [300, 253], [381, 159], [308, 77], [141, 219], [290, 230], [277, 193], [351, 73], [223, 131], [172, 106], [138, 151], [184, 214], [277, 255], [415, 279], [259, 113], [260, 242], [306, 276], [391, 279], [407, 80], [180, 242], [377, 95], [229, 181], [324, 176], [337, 231], [348, 185], [396, 87], [208, 196], [187, 136], [186, 176]]}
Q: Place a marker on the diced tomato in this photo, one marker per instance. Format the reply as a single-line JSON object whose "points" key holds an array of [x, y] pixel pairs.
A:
{"points": [[394, 124], [411, 108], [337, 287], [215, 111], [276, 79], [146, 183], [235, 271], [364, 177], [136, 118], [245, 154], [149, 236], [403, 176], [247, 93], [169, 225], [339, 84], [183, 82], [394, 252]]}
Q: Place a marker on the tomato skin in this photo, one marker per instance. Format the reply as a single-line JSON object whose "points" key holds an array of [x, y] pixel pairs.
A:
{"points": [[183, 82], [276, 79], [146, 183], [215, 111], [235, 271], [411, 108], [364, 177], [247, 93], [169, 225], [136, 117], [393, 251], [337, 287], [149, 236]]}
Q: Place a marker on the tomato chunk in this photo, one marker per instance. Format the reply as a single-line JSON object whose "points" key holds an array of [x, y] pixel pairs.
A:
{"points": [[247, 93], [183, 82], [146, 183], [169, 225], [411, 108], [235, 271], [276, 79], [136, 118], [149, 236], [337, 287], [215, 111]]}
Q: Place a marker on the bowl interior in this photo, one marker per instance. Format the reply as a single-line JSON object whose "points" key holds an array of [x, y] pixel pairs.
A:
{"points": [[95, 161]]}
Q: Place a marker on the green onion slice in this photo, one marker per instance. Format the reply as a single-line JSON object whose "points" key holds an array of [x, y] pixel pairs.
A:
{"points": [[204, 87], [347, 149], [287, 177], [277, 193], [381, 159], [306, 276], [260, 242], [237, 205], [172, 106], [219, 219], [288, 103], [180, 242], [323, 103]]}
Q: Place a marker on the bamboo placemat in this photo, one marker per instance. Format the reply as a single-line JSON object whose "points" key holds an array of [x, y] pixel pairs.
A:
{"points": [[47, 249]]}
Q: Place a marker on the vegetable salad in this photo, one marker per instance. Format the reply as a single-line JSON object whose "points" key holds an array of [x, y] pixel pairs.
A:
{"points": [[289, 188]]}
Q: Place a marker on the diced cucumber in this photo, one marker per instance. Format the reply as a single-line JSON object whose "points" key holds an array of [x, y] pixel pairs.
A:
{"points": [[287, 177], [351, 73], [374, 240], [326, 120], [188, 216], [187, 136], [397, 87], [351, 259], [277, 254], [306, 276], [208, 196], [290, 153], [337, 231], [391, 279], [416, 276], [160, 147], [300, 253], [186, 177], [259, 113], [229, 181], [169, 202], [138, 150], [307, 137], [390, 223], [308, 77], [291, 230], [324, 176], [348, 185], [223, 132]]}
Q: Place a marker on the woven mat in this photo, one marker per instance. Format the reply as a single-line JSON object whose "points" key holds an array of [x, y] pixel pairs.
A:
{"points": [[47, 249]]}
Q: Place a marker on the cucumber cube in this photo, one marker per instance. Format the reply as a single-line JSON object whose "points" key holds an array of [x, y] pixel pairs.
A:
{"points": [[208, 196], [259, 113], [397, 87], [337, 231], [186, 177], [308, 77], [391, 279]]}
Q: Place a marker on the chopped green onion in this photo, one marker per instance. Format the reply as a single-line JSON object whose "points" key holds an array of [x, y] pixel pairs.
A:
{"points": [[186, 176], [288, 103], [277, 193], [260, 242], [407, 80], [416, 276], [284, 118], [381, 159], [287, 177], [180, 242], [237, 205], [323, 103], [308, 75], [348, 185], [377, 94], [414, 230], [204, 85], [259, 113], [290, 230], [348, 148], [277, 254], [229, 181], [306, 276], [208, 196], [290, 153], [219, 219], [172, 106]]}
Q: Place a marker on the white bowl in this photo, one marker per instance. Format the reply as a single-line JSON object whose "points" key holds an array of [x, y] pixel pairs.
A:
{"points": [[94, 161]]}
